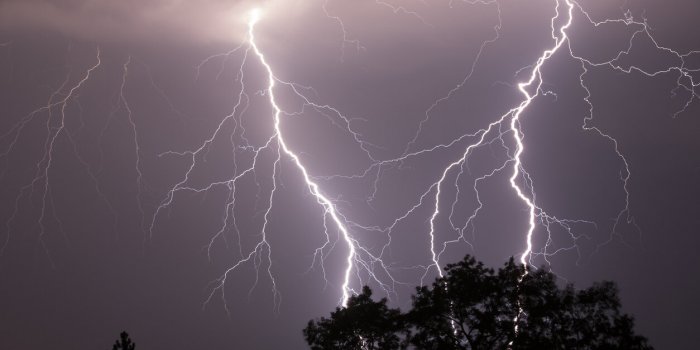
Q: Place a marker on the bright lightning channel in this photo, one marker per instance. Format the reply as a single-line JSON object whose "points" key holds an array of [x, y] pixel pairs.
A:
{"points": [[359, 258], [276, 143], [313, 187]]}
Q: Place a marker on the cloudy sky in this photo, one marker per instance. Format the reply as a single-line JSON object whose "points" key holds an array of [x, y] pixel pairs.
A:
{"points": [[145, 187]]}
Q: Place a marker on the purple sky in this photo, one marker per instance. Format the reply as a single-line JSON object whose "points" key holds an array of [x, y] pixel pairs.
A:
{"points": [[118, 214]]}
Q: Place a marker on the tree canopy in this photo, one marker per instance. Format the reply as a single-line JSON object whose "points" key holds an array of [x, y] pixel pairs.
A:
{"points": [[363, 324], [474, 307], [124, 342]]}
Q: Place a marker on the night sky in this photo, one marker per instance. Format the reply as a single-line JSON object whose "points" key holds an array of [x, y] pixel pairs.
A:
{"points": [[144, 185]]}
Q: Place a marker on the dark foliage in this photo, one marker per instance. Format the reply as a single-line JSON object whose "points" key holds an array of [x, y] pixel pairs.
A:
{"points": [[363, 324], [124, 342], [475, 307]]}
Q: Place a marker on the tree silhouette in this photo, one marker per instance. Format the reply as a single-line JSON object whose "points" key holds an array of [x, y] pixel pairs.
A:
{"points": [[124, 343], [363, 324], [468, 308], [474, 307]]}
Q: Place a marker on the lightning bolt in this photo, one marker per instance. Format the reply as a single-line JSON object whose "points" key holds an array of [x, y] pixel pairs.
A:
{"points": [[328, 206], [520, 180], [277, 144]]}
